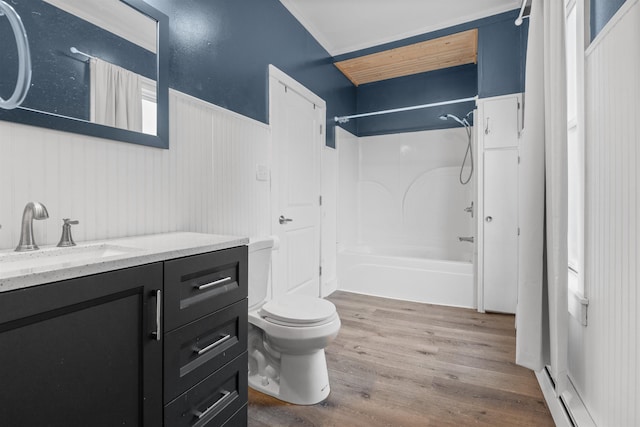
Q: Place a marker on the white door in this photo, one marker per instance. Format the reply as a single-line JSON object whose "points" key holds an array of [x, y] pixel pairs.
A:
{"points": [[500, 123], [297, 139], [500, 225]]}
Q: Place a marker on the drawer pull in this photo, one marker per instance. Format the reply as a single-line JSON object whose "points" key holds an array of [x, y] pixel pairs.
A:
{"points": [[158, 332], [210, 347], [211, 408], [210, 284]]}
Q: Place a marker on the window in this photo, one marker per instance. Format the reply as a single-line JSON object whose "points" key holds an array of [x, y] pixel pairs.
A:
{"points": [[575, 41]]}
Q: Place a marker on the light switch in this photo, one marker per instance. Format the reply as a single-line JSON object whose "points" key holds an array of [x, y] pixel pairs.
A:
{"points": [[262, 172]]}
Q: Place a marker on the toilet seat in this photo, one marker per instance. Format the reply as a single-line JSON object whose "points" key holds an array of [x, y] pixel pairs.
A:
{"points": [[298, 310]]}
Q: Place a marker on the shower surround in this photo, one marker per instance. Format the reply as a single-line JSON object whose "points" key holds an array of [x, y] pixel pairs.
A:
{"points": [[400, 213]]}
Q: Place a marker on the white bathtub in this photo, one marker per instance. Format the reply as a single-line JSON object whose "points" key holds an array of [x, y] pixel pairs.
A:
{"points": [[409, 273]]}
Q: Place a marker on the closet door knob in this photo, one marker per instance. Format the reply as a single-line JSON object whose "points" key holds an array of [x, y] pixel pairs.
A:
{"points": [[488, 219], [284, 220]]}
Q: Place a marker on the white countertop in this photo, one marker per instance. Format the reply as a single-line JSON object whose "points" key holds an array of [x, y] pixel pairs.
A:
{"points": [[52, 264]]}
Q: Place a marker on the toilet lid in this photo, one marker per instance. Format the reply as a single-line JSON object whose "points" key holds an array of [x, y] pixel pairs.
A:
{"points": [[297, 309]]}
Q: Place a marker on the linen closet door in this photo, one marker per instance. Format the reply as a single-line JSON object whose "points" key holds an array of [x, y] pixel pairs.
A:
{"points": [[499, 139], [500, 226]]}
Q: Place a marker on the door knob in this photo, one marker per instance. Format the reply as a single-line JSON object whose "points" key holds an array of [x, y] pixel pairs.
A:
{"points": [[488, 219], [284, 220]]}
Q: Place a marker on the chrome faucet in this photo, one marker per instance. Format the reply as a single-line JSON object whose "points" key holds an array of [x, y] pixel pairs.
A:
{"points": [[66, 239], [466, 239], [33, 210]]}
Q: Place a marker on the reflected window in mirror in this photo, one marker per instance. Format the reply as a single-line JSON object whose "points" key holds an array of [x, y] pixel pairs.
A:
{"points": [[149, 107], [119, 97], [112, 84]]}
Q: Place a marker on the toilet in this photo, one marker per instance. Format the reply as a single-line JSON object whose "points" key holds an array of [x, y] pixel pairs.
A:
{"points": [[287, 336]]}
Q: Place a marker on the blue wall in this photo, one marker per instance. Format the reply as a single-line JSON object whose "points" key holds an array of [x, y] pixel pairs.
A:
{"points": [[434, 86], [60, 80], [601, 12], [500, 71], [501, 56], [221, 49]]}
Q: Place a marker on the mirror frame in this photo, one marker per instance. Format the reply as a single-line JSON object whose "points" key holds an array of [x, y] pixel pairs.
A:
{"points": [[69, 124]]}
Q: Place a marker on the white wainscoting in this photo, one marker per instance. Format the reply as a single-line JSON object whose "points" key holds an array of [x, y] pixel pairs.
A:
{"points": [[219, 152], [603, 356], [205, 182]]}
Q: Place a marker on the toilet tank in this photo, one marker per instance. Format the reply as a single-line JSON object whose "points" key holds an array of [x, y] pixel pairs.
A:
{"points": [[259, 258]]}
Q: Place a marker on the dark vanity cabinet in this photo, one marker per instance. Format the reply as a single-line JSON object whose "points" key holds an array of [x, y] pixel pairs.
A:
{"points": [[205, 342], [83, 352], [159, 344]]}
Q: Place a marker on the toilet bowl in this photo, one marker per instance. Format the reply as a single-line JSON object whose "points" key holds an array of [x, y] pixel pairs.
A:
{"points": [[287, 337]]}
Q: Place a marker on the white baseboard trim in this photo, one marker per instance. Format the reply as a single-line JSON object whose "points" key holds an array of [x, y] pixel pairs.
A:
{"points": [[558, 412], [329, 287]]}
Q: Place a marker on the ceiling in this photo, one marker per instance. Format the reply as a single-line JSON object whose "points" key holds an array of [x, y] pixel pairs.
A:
{"points": [[442, 52], [343, 26]]}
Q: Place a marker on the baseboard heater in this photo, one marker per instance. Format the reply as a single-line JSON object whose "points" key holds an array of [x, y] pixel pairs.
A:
{"points": [[567, 410]]}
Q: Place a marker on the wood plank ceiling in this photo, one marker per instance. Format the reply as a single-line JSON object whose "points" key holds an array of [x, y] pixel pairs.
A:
{"points": [[443, 52]]}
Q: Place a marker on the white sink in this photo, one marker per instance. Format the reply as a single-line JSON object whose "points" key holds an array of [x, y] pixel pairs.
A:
{"points": [[52, 258]]}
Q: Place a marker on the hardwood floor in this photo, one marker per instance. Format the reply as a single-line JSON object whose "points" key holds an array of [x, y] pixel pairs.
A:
{"points": [[399, 363]]}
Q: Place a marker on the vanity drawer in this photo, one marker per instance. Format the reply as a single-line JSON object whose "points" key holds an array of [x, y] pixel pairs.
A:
{"points": [[240, 419], [201, 284], [212, 401], [199, 348]]}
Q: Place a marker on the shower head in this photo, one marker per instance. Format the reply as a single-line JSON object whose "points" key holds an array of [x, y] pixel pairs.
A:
{"points": [[451, 116]]}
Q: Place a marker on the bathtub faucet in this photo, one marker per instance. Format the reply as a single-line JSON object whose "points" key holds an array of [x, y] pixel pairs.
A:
{"points": [[466, 239], [469, 209]]}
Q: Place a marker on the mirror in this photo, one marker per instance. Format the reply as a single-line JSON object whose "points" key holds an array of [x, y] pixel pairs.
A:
{"points": [[100, 68]]}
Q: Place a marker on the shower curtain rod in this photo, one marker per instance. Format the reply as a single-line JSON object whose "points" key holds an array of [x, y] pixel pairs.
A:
{"points": [[76, 51], [345, 119], [521, 15]]}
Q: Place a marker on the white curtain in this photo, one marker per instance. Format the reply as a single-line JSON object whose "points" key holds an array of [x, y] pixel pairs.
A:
{"points": [[542, 316], [116, 96]]}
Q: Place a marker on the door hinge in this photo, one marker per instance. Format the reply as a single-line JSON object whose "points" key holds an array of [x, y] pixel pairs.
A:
{"points": [[320, 129], [320, 270], [518, 231], [320, 200], [518, 159], [519, 120]]}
